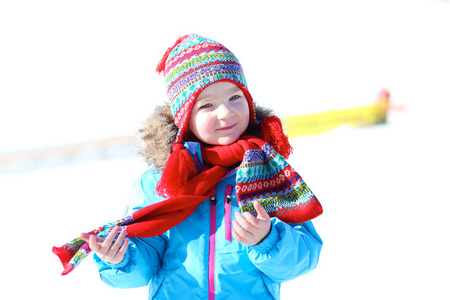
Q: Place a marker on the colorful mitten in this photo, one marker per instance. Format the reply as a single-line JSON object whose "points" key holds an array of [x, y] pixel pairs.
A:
{"points": [[266, 177]]}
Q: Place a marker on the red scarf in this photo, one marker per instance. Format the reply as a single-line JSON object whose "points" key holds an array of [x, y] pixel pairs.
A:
{"points": [[156, 219], [184, 187]]}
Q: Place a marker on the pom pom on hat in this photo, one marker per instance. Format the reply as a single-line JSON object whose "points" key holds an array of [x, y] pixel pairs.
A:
{"points": [[161, 67]]}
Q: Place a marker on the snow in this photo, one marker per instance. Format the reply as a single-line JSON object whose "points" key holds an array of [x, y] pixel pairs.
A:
{"points": [[78, 72]]}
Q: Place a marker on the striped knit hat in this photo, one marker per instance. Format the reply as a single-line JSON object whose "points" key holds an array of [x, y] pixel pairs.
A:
{"points": [[189, 66], [192, 64]]}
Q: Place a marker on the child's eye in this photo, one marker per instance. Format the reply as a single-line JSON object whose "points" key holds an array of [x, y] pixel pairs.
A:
{"points": [[235, 97], [205, 106]]}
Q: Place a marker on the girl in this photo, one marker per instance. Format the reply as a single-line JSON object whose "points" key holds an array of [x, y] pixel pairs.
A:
{"points": [[207, 249]]}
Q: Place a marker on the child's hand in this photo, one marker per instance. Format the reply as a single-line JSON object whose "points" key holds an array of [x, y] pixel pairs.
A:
{"points": [[252, 230], [106, 248]]}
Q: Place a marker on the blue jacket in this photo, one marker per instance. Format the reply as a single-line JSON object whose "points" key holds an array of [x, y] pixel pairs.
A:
{"points": [[198, 259]]}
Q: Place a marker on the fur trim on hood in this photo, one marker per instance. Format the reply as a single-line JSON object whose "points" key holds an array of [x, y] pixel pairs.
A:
{"points": [[159, 133]]}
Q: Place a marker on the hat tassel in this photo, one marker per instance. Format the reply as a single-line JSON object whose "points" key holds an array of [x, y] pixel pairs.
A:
{"points": [[272, 132]]}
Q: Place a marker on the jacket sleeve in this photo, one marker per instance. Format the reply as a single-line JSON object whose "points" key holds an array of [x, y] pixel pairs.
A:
{"points": [[144, 255], [289, 251]]}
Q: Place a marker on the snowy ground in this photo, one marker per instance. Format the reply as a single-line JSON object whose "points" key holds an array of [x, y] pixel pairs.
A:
{"points": [[76, 72], [385, 222]]}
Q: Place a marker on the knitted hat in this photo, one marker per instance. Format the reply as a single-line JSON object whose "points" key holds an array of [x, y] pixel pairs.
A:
{"points": [[191, 65]]}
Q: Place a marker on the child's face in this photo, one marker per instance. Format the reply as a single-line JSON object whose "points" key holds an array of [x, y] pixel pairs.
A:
{"points": [[220, 114]]}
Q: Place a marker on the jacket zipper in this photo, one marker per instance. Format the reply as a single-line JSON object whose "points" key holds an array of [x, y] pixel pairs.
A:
{"points": [[212, 234], [212, 244], [228, 192]]}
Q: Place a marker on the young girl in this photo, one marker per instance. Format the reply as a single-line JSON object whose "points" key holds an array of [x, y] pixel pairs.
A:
{"points": [[194, 145]]}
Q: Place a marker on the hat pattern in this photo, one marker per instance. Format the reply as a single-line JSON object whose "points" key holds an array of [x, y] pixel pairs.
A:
{"points": [[193, 64]]}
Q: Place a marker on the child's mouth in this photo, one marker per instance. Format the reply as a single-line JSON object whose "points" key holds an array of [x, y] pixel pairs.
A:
{"points": [[226, 128]]}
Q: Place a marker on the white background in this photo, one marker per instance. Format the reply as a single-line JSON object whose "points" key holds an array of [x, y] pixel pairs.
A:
{"points": [[73, 71]]}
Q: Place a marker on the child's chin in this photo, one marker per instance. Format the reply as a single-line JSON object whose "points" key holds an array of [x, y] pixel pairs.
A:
{"points": [[226, 141]]}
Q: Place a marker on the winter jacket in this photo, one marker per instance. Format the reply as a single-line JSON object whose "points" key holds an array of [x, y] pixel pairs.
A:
{"points": [[199, 259]]}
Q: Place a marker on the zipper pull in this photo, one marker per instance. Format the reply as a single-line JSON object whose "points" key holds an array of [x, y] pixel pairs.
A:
{"points": [[228, 191], [213, 198]]}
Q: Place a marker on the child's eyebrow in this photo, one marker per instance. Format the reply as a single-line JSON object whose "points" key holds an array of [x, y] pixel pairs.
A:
{"points": [[230, 90], [234, 89], [203, 99]]}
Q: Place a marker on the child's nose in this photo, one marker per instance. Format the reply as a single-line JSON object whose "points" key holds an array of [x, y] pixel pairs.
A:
{"points": [[224, 112]]}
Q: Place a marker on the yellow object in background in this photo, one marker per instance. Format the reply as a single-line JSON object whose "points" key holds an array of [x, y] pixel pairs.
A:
{"points": [[316, 123]]}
